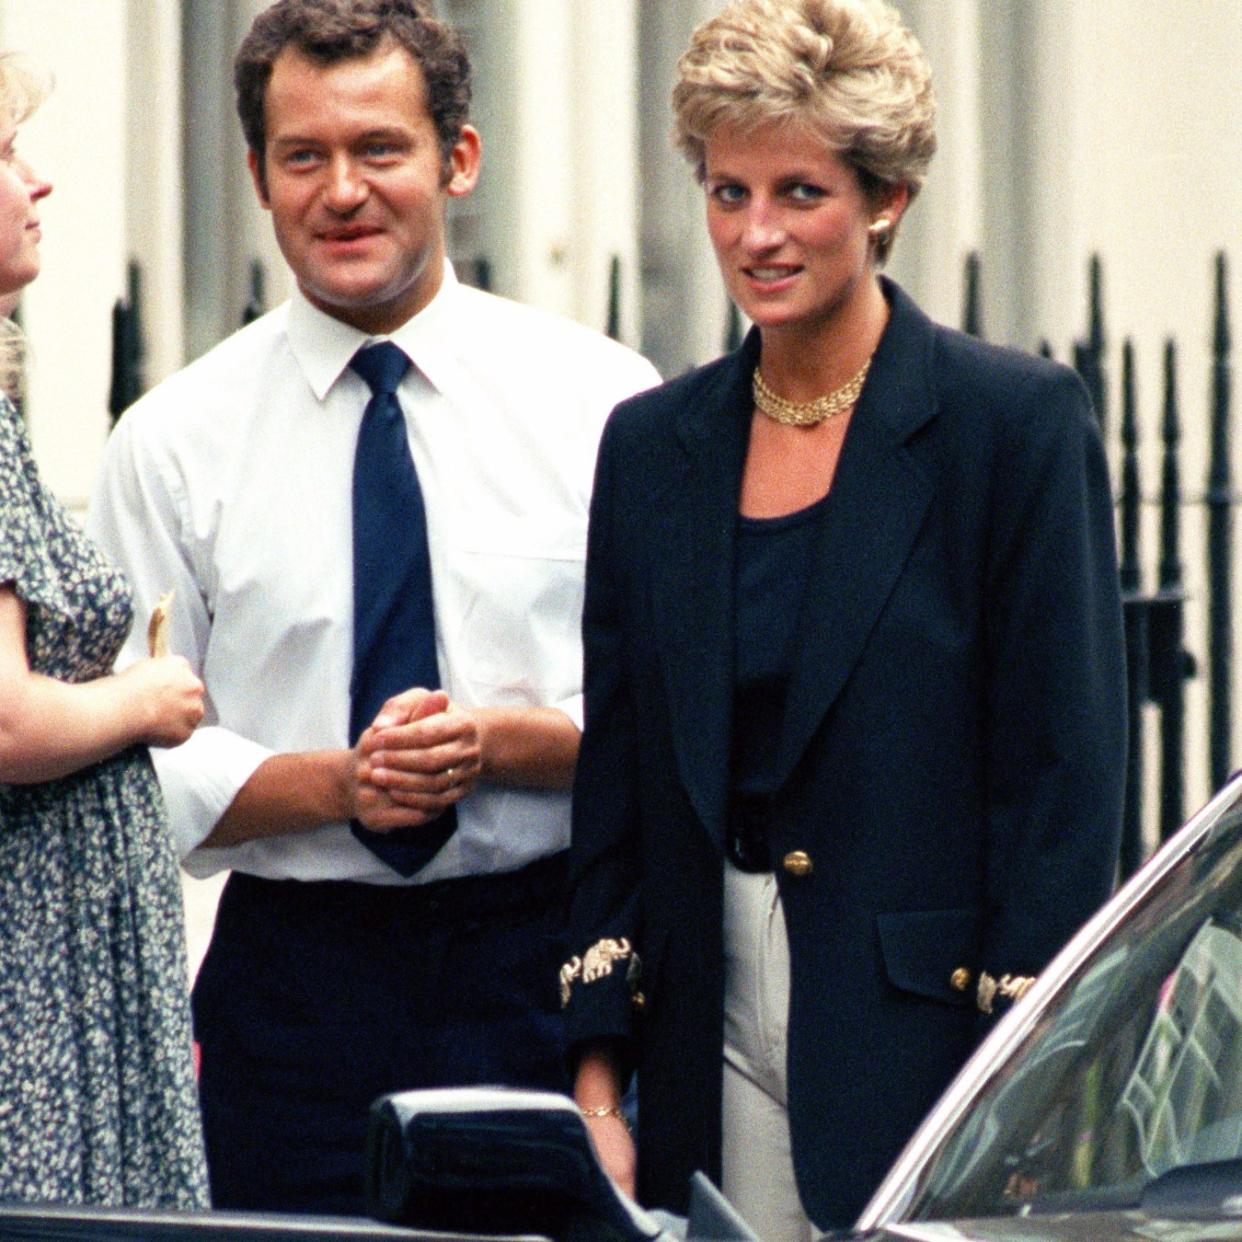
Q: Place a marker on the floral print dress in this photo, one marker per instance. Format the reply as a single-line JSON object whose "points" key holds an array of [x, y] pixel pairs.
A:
{"points": [[97, 1096]]}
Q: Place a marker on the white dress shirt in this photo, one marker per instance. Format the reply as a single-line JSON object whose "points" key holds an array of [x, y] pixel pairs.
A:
{"points": [[230, 483]]}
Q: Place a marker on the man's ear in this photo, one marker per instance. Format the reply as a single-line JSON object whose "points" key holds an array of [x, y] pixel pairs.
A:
{"points": [[258, 174], [463, 165]]}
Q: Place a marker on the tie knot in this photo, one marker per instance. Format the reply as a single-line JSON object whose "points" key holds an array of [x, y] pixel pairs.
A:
{"points": [[383, 366]]}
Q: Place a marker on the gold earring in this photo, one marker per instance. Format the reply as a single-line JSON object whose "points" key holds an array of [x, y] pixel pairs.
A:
{"points": [[880, 229]]}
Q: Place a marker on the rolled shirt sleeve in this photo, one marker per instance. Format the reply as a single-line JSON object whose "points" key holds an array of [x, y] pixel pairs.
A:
{"points": [[138, 515], [200, 779]]}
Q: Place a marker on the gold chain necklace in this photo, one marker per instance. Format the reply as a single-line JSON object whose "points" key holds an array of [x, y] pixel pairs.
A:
{"points": [[808, 413]]}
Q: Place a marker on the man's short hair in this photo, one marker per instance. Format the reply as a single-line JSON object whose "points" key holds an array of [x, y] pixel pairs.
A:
{"points": [[333, 30]]}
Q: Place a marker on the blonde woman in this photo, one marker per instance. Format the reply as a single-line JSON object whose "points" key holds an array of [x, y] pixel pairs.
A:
{"points": [[854, 737], [97, 1096]]}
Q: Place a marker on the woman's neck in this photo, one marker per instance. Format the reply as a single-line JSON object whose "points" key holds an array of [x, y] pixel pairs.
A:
{"points": [[802, 361]]}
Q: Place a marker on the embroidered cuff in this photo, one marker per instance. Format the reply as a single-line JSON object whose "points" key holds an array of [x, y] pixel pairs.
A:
{"points": [[1007, 987], [597, 962]]}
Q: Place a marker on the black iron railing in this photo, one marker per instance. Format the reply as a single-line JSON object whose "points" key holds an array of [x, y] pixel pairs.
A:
{"points": [[1158, 662]]}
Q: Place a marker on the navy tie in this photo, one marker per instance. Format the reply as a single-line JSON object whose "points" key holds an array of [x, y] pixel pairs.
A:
{"points": [[394, 623]]}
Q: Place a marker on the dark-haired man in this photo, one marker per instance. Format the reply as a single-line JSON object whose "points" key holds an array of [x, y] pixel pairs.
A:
{"points": [[393, 718]]}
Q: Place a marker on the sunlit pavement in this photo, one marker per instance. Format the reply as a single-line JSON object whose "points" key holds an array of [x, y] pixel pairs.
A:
{"points": [[200, 913]]}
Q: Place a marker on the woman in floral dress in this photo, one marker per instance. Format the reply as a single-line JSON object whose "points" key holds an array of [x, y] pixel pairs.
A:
{"points": [[97, 1093]]}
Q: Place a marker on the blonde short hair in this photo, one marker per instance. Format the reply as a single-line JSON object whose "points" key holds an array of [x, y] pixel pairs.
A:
{"points": [[849, 71], [23, 87]]}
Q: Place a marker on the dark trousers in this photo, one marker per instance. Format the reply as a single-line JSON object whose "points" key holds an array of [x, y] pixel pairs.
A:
{"points": [[315, 998]]}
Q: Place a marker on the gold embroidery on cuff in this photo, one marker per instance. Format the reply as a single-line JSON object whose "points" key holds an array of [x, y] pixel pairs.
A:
{"points": [[1007, 987], [597, 962]]}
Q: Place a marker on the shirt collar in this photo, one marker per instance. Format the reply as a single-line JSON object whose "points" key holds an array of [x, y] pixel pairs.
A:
{"points": [[324, 345]]}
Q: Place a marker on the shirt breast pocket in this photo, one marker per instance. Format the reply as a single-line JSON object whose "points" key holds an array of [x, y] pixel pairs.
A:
{"points": [[516, 612]]}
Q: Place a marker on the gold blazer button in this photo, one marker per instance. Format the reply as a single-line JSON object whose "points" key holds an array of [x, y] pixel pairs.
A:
{"points": [[959, 980], [798, 862]]}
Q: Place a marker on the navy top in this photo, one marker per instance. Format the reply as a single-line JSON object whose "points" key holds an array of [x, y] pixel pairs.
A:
{"points": [[771, 573]]}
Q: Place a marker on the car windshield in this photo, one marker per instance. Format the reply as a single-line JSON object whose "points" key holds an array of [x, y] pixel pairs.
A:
{"points": [[1133, 1071]]}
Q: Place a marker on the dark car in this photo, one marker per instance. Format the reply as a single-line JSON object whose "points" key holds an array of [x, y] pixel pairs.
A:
{"points": [[1106, 1105]]}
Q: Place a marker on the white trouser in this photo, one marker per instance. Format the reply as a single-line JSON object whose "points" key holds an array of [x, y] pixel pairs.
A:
{"points": [[758, 1176]]}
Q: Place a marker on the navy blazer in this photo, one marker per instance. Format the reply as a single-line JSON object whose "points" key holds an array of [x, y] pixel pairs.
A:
{"points": [[951, 763]]}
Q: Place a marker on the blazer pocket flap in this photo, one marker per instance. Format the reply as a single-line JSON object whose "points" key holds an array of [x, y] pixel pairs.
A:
{"points": [[932, 953]]}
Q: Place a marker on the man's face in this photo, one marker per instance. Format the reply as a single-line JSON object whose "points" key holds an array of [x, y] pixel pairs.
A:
{"points": [[356, 186]]}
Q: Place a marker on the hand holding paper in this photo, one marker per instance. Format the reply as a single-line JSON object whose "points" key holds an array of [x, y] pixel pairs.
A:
{"points": [[157, 627]]}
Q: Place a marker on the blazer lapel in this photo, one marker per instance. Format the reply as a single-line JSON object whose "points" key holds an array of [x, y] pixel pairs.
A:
{"points": [[879, 499], [693, 585]]}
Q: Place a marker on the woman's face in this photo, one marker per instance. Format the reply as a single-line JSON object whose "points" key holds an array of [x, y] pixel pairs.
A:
{"points": [[789, 220], [20, 190]]}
